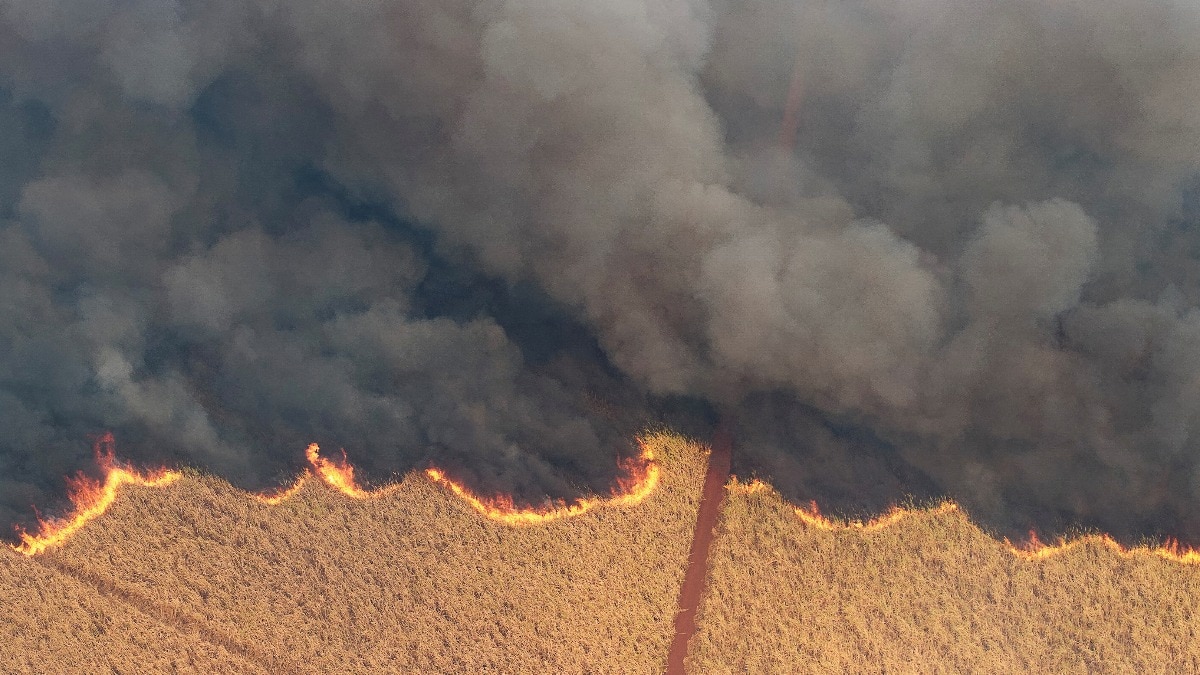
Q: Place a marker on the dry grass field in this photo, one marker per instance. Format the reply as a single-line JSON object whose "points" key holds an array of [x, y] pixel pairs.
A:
{"points": [[196, 576], [55, 623], [199, 577], [931, 593]]}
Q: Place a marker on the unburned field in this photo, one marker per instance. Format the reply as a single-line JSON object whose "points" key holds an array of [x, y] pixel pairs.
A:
{"points": [[55, 623], [932, 593], [199, 577]]}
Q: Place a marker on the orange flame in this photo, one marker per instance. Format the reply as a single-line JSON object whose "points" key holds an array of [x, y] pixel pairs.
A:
{"points": [[91, 498], [644, 474], [1033, 550], [813, 518], [336, 473], [339, 475], [739, 488], [1171, 549], [283, 494]]}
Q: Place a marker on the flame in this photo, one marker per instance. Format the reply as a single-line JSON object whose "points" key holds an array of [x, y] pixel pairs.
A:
{"points": [[1171, 549], [1035, 549], [813, 518], [339, 475], [91, 498], [283, 494], [754, 486], [644, 474]]}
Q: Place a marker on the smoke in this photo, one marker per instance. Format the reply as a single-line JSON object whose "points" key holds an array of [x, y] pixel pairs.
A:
{"points": [[499, 235]]}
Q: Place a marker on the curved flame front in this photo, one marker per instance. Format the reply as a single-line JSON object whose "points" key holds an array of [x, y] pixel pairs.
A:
{"points": [[339, 475], [1171, 550], [644, 474], [813, 518], [1033, 550], [90, 498], [283, 494]]}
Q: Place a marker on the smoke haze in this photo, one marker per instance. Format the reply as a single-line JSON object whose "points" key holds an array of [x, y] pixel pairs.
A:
{"points": [[501, 235]]}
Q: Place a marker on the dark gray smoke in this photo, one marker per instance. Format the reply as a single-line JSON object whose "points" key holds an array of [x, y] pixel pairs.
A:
{"points": [[499, 235]]}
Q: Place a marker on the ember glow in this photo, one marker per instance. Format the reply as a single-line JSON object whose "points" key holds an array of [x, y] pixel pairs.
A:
{"points": [[91, 498], [644, 474]]}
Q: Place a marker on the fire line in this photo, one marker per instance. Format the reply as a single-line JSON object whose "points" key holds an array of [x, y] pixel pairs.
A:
{"points": [[91, 498], [644, 475], [1033, 550]]}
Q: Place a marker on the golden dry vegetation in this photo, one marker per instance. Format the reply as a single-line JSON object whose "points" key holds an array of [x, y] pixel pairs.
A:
{"points": [[197, 576], [932, 593], [56, 623]]}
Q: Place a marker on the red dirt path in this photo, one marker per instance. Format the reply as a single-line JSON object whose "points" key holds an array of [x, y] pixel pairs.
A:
{"points": [[715, 478]]}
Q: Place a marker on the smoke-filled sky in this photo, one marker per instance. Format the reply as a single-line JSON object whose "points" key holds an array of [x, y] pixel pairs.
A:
{"points": [[499, 235]]}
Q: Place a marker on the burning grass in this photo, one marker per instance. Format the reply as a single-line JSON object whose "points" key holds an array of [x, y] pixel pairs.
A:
{"points": [[927, 591], [414, 579]]}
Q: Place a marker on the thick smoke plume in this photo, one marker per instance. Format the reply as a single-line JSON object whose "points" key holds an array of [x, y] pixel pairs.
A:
{"points": [[499, 234]]}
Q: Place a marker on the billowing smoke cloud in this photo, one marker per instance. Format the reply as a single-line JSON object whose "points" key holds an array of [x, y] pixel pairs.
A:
{"points": [[233, 229]]}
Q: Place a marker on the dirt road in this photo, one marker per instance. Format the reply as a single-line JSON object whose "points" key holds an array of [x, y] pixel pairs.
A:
{"points": [[706, 520]]}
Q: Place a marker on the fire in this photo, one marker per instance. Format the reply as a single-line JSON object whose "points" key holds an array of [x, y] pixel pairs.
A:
{"points": [[813, 518], [644, 474], [754, 486], [339, 475], [1035, 549], [279, 496], [91, 498], [336, 473], [1171, 550]]}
